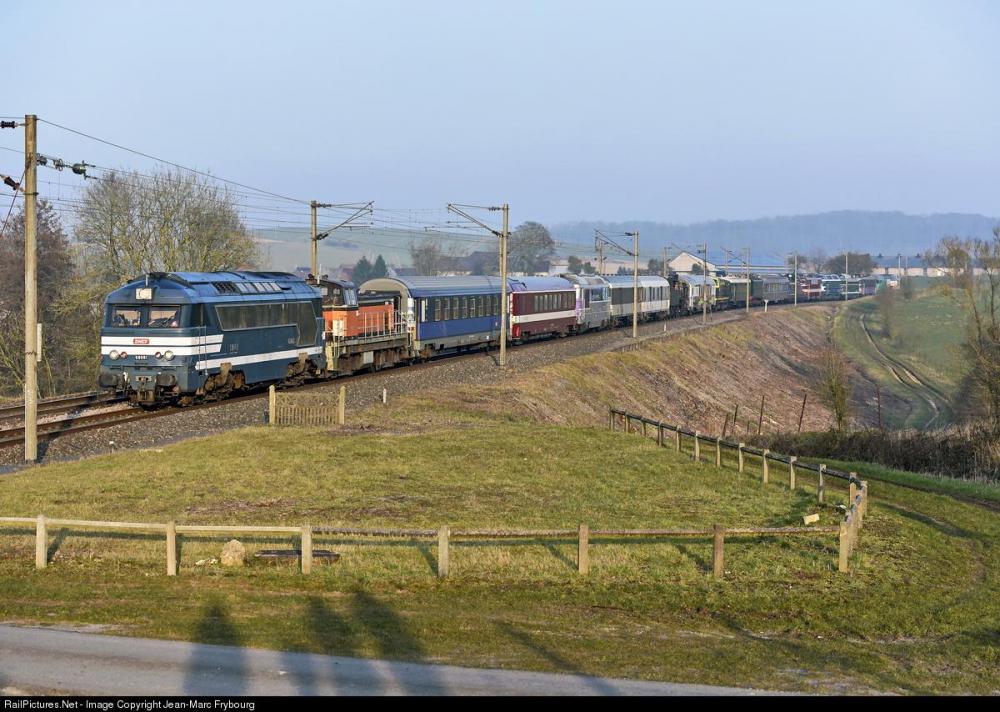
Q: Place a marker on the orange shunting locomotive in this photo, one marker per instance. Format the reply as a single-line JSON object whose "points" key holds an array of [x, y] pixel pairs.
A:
{"points": [[347, 317]]}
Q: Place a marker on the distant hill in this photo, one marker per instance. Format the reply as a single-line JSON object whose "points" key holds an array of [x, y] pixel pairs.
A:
{"points": [[859, 231]]}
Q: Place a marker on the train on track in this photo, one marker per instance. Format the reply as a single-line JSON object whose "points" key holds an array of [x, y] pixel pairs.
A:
{"points": [[183, 337]]}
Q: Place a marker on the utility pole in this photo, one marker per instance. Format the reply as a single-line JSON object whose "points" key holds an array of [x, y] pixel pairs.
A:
{"points": [[314, 241], [504, 235], [795, 280], [704, 287], [30, 289], [599, 247], [635, 282], [663, 265], [315, 237], [846, 275], [748, 281], [601, 239]]}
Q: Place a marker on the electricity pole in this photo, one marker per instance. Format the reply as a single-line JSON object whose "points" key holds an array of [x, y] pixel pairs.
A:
{"points": [[504, 235], [795, 281], [30, 289], [704, 287], [599, 247], [315, 237], [635, 282], [663, 266], [748, 281], [601, 239], [314, 241], [846, 275]]}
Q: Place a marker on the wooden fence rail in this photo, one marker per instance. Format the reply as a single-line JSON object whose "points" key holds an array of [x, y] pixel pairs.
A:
{"points": [[849, 528], [445, 535]]}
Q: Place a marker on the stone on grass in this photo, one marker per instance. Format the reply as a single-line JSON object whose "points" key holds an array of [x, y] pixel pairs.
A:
{"points": [[233, 553]]}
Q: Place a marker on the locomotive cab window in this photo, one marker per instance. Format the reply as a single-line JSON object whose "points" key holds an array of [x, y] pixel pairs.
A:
{"points": [[128, 317], [164, 317]]}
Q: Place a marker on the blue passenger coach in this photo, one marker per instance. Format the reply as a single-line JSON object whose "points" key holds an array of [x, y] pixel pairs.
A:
{"points": [[445, 313], [178, 337]]}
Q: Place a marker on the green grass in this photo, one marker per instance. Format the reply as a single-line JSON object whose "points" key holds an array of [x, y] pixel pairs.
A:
{"points": [[918, 612], [926, 338]]}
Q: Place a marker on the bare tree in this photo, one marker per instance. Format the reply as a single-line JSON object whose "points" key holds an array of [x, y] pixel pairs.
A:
{"points": [[885, 302], [170, 221], [981, 301], [433, 256], [530, 249], [55, 269], [834, 384]]}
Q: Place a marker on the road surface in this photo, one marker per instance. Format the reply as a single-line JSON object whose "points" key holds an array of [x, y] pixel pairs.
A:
{"points": [[44, 660]]}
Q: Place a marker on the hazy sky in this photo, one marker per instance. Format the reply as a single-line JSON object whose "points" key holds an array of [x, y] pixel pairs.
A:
{"points": [[568, 110]]}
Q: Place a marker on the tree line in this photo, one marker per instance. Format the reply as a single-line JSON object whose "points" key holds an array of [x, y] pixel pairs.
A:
{"points": [[126, 224]]}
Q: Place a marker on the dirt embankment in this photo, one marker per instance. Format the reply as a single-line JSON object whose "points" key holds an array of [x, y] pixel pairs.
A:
{"points": [[694, 379]]}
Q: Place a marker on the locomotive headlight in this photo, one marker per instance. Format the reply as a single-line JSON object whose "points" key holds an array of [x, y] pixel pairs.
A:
{"points": [[113, 354], [169, 355]]}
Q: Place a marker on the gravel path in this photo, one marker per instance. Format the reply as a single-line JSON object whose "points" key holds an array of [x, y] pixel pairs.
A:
{"points": [[362, 391]]}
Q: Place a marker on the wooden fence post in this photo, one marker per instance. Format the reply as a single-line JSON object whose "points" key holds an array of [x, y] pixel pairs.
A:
{"points": [[643, 421], [765, 467], [853, 493], [791, 472], [582, 551], [41, 543], [843, 550], [739, 451], [697, 447], [677, 439], [342, 405], [171, 548], [822, 484], [443, 534], [717, 556], [307, 549], [718, 450], [272, 405], [659, 434]]}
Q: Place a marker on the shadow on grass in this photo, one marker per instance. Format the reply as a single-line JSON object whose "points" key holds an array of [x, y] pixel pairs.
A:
{"points": [[367, 621], [596, 685], [214, 670], [943, 527]]}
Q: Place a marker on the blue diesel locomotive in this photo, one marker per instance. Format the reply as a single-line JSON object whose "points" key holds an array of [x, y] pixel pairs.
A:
{"points": [[179, 337]]}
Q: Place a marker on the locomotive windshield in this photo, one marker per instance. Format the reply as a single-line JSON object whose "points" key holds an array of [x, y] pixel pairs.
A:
{"points": [[128, 317], [152, 317], [164, 317]]}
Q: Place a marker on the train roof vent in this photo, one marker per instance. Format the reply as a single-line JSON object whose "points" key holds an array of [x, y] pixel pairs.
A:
{"points": [[225, 288]]}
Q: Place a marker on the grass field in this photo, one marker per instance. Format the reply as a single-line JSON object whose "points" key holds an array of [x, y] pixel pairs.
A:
{"points": [[927, 334], [918, 613]]}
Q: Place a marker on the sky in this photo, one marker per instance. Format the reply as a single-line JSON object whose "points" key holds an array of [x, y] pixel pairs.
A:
{"points": [[568, 110]]}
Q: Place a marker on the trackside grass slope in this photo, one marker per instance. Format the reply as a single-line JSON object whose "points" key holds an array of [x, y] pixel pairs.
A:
{"points": [[918, 612]]}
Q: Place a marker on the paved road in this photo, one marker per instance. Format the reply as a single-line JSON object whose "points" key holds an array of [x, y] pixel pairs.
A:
{"points": [[42, 660]]}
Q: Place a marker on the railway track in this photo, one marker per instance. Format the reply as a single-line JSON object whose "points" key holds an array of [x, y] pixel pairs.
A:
{"points": [[59, 405], [909, 380], [75, 423]]}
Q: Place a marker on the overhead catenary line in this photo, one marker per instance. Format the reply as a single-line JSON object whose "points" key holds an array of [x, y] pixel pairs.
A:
{"points": [[172, 163]]}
